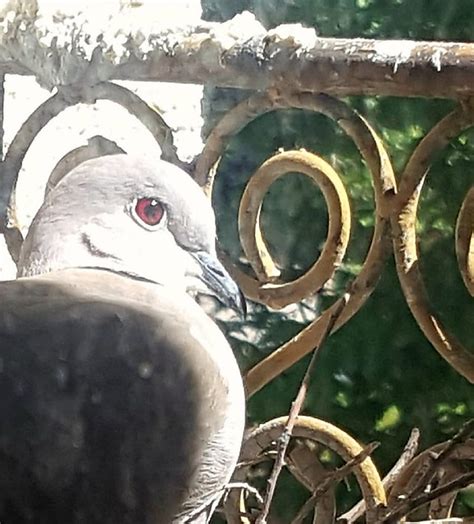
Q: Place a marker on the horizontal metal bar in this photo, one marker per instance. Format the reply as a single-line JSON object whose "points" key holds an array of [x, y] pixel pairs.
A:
{"points": [[239, 53]]}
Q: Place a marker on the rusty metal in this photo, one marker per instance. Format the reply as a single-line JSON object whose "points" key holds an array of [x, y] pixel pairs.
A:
{"points": [[317, 432], [399, 209], [240, 53], [322, 174], [405, 241], [376, 158], [465, 241]]}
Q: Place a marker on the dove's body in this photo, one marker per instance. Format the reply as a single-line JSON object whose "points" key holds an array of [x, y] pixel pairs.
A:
{"points": [[120, 400]]}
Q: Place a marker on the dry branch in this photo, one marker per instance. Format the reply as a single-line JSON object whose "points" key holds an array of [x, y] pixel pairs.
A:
{"points": [[413, 503], [293, 414], [418, 491]]}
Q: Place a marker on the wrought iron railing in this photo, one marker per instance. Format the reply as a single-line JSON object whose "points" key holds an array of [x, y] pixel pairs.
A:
{"points": [[290, 68]]}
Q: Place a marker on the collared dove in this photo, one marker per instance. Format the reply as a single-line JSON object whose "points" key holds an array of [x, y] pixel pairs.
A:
{"points": [[120, 399]]}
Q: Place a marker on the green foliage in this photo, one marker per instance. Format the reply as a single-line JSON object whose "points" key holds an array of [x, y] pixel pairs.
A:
{"points": [[378, 376], [411, 19]]}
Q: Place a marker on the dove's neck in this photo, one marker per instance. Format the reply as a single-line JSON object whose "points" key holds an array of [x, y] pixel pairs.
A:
{"points": [[80, 251]]}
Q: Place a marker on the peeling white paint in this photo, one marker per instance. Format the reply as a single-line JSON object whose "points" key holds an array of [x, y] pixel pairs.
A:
{"points": [[294, 34], [239, 29], [437, 57], [388, 50]]}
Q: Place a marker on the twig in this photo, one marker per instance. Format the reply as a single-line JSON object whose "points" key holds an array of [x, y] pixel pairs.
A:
{"points": [[411, 504], [427, 473], [246, 487], [262, 457], [407, 455], [296, 406], [333, 478], [409, 451], [423, 476], [449, 520]]}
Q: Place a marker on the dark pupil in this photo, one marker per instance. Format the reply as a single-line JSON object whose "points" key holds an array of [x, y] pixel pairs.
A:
{"points": [[151, 208]]}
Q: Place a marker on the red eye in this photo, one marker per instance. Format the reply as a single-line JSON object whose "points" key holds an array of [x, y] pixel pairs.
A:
{"points": [[149, 211]]}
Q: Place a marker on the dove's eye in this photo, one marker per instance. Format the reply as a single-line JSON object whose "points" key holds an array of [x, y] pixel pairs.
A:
{"points": [[149, 211]]}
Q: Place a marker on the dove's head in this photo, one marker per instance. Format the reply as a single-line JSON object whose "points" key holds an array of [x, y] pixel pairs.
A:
{"points": [[146, 219]]}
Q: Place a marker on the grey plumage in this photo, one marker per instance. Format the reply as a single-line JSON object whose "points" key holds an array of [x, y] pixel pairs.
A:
{"points": [[120, 400]]}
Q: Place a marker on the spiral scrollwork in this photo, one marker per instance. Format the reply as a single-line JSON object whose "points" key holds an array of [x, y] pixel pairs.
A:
{"points": [[279, 295], [262, 288], [405, 240]]}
